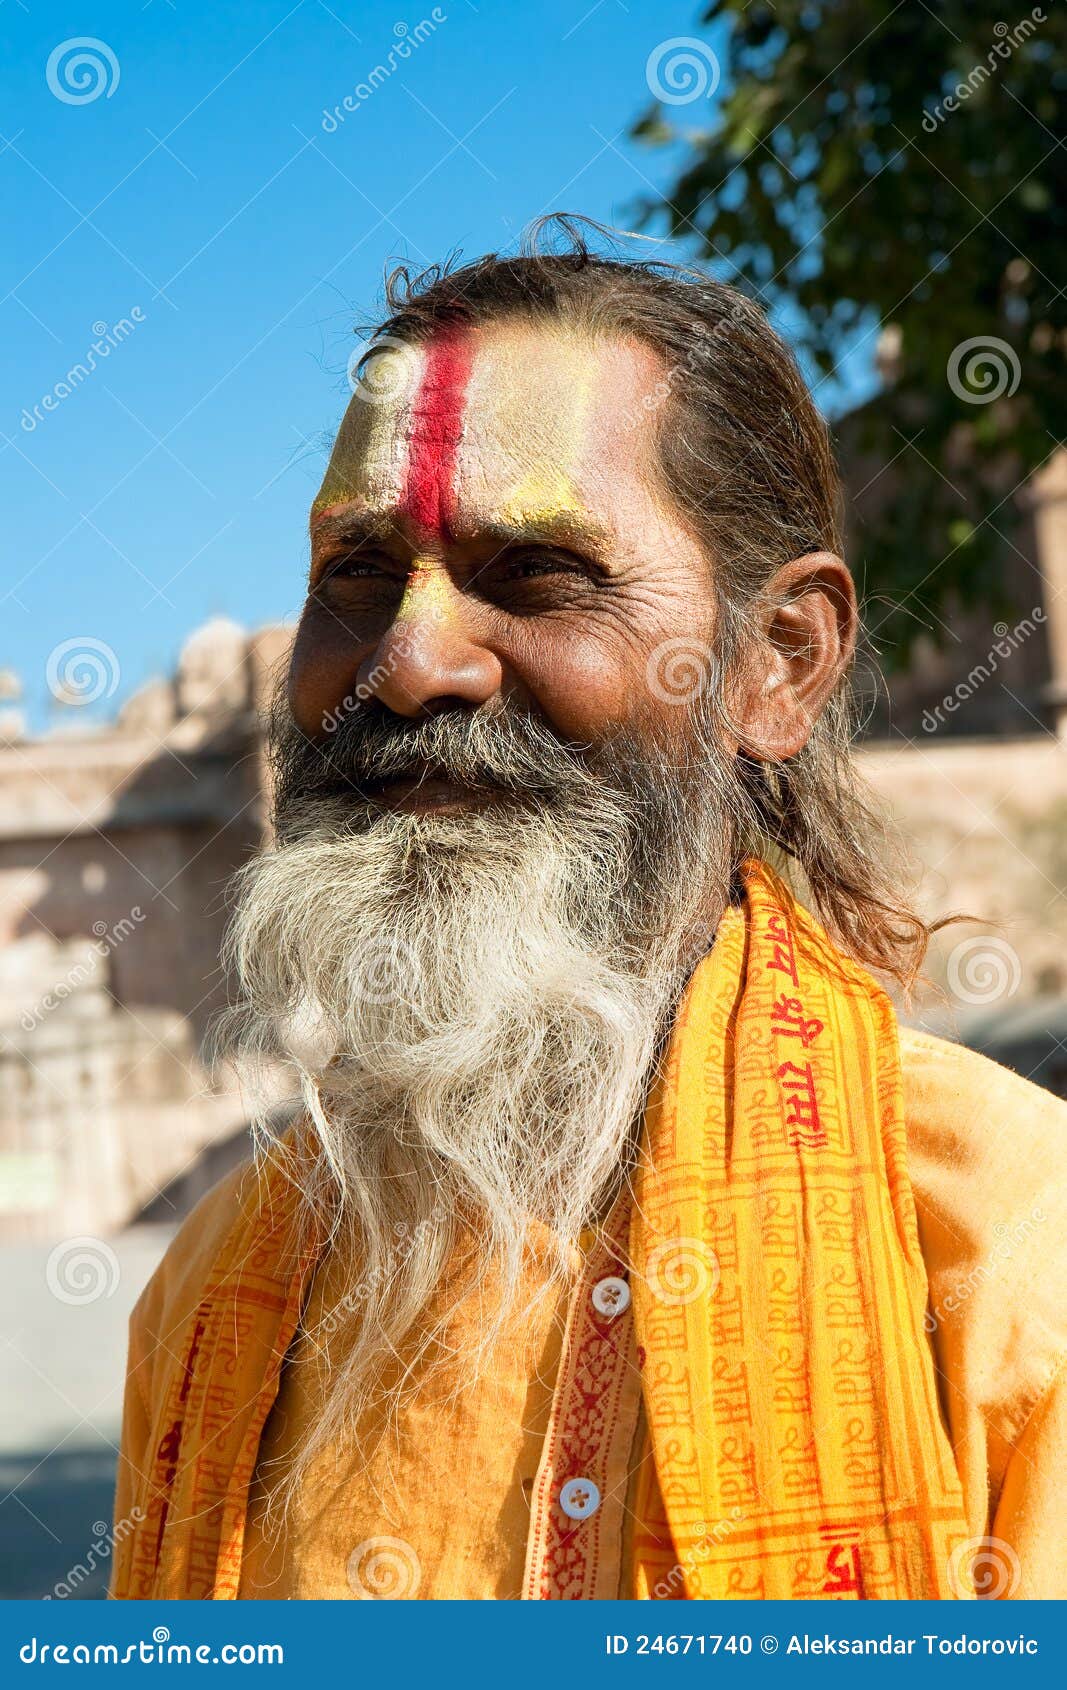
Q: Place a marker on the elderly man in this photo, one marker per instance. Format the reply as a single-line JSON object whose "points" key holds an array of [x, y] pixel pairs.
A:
{"points": [[625, 1246]]}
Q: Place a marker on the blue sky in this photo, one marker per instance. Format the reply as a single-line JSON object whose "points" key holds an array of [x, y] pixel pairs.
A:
{"points": [[205, 207]]}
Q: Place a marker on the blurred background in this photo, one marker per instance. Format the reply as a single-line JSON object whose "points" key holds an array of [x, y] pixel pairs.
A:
{"points": [[200, 201]]}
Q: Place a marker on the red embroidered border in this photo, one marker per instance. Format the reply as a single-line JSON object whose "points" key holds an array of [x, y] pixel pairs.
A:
{"points": [[564, 1559]]}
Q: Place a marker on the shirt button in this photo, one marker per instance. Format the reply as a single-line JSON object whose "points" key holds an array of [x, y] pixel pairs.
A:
{"points": [[579, 1498], [610, 1297]]}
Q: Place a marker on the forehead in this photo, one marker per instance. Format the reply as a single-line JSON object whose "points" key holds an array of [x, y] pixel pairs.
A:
{"points": [[510, 425]]}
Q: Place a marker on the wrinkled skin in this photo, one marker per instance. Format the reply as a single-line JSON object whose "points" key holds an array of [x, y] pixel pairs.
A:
{"points": [[490, 531]]}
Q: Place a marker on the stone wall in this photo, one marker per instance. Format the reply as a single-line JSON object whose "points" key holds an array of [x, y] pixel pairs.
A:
{"points": [[116, 847], [984, 828]]}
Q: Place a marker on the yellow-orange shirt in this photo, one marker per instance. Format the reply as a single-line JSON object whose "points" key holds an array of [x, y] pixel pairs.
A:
{"points": [[986, 1154]]}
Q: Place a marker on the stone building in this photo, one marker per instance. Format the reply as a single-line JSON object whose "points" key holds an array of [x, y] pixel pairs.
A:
{"points": [[116, 847]]}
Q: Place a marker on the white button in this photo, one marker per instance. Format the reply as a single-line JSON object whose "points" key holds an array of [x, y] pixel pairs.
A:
{"points": [[579, 1498], [611, 1297]]}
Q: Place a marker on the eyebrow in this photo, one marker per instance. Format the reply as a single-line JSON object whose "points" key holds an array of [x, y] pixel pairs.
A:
{"points": [[356, 526], [563, 527], [352, 524]]}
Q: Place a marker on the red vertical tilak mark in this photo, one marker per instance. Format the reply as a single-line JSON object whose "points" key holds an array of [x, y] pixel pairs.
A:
{"points": [[437, 422]]}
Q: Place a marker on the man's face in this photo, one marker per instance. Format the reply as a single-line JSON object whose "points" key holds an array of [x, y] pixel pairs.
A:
{"points": [[490, 530]]}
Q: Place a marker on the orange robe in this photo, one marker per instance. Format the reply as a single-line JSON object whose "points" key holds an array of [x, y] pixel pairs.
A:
{"points": [[769, 1417]]}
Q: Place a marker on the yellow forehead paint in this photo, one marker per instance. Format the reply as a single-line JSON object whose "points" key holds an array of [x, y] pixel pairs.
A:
{"points": [[427, 594], [526, 431]]}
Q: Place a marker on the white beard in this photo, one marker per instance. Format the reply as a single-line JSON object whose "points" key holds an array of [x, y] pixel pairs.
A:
{"points": [[472, 1008]]}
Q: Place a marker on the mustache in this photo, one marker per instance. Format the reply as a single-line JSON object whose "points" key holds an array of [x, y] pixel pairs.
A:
{"points": [[495, 747]]}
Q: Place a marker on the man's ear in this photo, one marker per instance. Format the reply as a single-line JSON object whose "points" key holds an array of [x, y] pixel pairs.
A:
{"points": [[808, 624]]}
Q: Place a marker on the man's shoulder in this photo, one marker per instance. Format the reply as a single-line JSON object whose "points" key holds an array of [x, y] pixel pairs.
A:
{"points": [[987, 1152], [960, 1104], [983, 1142]]}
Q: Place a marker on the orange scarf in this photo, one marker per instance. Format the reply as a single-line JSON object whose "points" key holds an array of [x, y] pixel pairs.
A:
{"points": [[779, 1290], [779, 1294]]}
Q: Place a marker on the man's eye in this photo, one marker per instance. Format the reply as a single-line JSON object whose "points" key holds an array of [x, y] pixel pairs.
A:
{"points": [[529, 565], [356, 566]]}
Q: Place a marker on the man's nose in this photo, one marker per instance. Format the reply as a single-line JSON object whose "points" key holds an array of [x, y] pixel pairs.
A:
{"points": [[431, 657]]}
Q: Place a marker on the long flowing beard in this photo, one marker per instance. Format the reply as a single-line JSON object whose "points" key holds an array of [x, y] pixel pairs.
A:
{"points": [[471, 1007]]}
